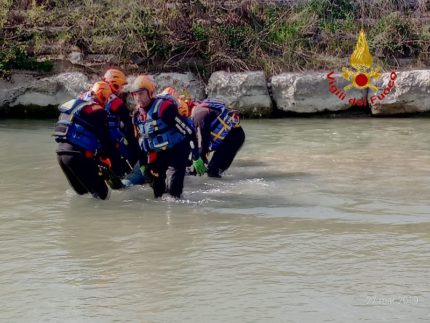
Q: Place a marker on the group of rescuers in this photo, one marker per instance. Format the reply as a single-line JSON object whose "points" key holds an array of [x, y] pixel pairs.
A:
{"points": [[165, 136]]}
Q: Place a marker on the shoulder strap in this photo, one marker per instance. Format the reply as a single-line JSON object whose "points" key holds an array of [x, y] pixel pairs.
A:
{"points": [[155, 111], [72, 106], [215, 105], [75, 116]]}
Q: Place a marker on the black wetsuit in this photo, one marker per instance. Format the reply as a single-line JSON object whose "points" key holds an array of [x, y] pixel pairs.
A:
{"points": [[82, 171], [226, 151], [168, 169], [120, 165]]}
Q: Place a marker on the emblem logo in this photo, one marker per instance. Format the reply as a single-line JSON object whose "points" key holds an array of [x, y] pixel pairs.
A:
{"points": [[361, 61], [361, 75]]}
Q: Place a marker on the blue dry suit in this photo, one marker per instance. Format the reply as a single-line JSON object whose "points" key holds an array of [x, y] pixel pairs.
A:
{"points": [[73, 129]]}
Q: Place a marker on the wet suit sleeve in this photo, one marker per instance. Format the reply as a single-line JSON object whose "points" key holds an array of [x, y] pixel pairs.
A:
{"points": [[141, 154], [202, 118], [97, 116], [170, 115], [121, 110], [143, 158]]}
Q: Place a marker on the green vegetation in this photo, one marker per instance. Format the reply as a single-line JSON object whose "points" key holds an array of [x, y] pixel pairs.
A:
{"points": [[210, 35], [199, 32], [17, 58], [397, 36]]}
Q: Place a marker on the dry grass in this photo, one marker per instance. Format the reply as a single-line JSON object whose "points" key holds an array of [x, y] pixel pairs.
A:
{"points": [[208, 35]]}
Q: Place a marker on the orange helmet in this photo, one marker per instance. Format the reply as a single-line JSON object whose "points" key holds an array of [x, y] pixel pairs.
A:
{"points": [[143, 82], [183, 108], [115, 78], [170, 91], [182, 105], [101, 91]]}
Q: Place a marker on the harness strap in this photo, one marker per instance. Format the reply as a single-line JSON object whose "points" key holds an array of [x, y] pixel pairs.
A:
{"points": [[224, 127], [155, 116], [74, 117]]}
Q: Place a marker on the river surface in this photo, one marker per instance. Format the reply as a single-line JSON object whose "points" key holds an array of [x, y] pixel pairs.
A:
{"points": [[317, 220]]}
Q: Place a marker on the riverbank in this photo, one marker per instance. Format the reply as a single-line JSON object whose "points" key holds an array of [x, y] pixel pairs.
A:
{"points": [[263, 58], [315, 94]]}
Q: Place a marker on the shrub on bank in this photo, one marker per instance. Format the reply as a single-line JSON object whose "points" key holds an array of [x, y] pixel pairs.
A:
{"points": [[17, 58]]}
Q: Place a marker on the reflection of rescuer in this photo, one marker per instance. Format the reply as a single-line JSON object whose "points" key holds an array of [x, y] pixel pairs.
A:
{"points": [[166, 136], [219, 131], [84, 141]]}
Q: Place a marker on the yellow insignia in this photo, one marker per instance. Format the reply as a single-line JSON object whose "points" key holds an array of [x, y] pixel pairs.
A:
{"points": [[362, 74]]}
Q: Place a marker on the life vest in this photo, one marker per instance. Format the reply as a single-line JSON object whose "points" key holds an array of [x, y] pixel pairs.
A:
{"points": [[224, 122], [114, 125], [183, 108], [71, 128], [188, 121], [155, 134]]}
